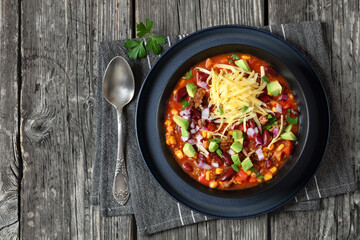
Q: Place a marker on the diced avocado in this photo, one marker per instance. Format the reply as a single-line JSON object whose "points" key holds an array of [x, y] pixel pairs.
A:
{"points": [[219, 152], [184, 132], [236, 159], [191, 89], [189, 150], [288, 128], [246, 164], [237, 134], [288, 136], [235, 167], [274, 88], [236, 147], [213, 146], [182, 122], [243, 64]]}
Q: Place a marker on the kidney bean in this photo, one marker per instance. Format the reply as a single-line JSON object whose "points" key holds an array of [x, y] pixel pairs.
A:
{"points": [[196, 115], [201, 77], [227, 174], [216, 158], [264, 98], [246, 143], [201, 158], [187, 166], [251, 123], [227, 158], [277, 115], [271, 71], [268, 164], [181, 93], [266, 138], [294, 112]]}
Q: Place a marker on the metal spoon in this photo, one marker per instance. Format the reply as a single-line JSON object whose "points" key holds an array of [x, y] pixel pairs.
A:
{"points": [[119, 88]]}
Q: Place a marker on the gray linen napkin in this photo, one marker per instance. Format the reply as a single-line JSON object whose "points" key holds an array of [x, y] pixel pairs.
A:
{"points": [[154, 210]]}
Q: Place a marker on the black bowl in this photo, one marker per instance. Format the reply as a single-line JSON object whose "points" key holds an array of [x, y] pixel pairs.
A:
{"points": [[313, 121]]}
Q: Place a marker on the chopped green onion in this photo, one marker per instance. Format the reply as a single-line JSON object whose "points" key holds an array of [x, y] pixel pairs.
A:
{"points": [[265, 79], [221, 110], [245, 108], [290, 120], [267, 127], [241, 120], [259, 176], [219, 152], [216, 140], [252, 169], [235, 167], [185, 103], [188, 75]]}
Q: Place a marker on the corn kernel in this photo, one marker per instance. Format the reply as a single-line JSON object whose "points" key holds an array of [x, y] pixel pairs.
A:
{"points": [[271, 147], [175, 91], [170, 129], [172, 140], [259, 180], [209, 135], [179, 154], [267, 177], [248, 172], [213, 184], [174, 112], [246, 57], [218, 171], [230, 132], [206, 144], [167, 122], [265, 154], [203, 134], [273, 169], [280, 147], [207, 175], [253, 174], [167, 141], [274, 109]]}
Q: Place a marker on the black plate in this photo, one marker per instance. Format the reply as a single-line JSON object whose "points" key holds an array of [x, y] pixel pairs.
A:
{"points": [[313, 122]]}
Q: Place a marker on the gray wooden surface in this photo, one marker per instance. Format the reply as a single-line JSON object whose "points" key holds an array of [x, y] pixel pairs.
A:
{"points": [[48, 65]]}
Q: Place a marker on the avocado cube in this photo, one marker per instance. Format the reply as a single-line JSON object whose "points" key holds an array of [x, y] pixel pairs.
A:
{"points": [[182, 122], [236, 159], [184, 132], [274, 88], [243, 65], [236, 147], [213, 146], [191, 89], [288, 128], [189, 150], [288, 136], [246, 164], [237, 134]]}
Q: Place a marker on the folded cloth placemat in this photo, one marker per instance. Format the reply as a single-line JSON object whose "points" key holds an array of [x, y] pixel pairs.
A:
{"points": [[154, 210]]}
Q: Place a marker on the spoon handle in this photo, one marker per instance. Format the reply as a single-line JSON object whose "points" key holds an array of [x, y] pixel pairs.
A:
{"points": [[121, 184]]}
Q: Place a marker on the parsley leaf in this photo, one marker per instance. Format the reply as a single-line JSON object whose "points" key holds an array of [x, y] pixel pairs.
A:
{"points": [[188, 75], [137, 48], [185, 103], [233, 57]]}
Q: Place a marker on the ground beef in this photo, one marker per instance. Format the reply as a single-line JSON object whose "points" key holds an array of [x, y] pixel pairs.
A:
{"points": [[226, 143], [201, 123], [263, 120], [198, 99]]}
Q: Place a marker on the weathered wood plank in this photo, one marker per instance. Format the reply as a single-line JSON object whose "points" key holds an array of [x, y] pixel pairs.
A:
{"points": [[340, 217], [180, 17], [9, 162], [59, 72]]}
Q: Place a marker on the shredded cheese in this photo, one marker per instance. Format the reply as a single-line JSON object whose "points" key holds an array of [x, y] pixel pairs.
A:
{"points": [[232, 89]]}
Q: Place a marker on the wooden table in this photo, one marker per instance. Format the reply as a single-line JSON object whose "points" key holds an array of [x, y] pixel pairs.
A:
{"points": [[48, 70]]}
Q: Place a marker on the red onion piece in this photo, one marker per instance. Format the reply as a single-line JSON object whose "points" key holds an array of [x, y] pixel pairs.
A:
{"points": [[279, 108], [192, 125], [197, 128], [198, 137], [258, 140], [201, 76], [250, 132], [276, 131], [179, 129], [256, 130], [185, 112], [205, 113], [206, 128], [214, 164], [192, 131], [203, 85], [260, 154], [283, 97], [185, 138], [192, 141], [231, 152], [204, 166]]}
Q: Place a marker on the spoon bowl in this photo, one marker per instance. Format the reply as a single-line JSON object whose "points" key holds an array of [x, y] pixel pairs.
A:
{"points": [[119, 89]]}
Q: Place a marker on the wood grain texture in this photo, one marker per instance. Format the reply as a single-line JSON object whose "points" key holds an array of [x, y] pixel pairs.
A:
{"points": [[9, 161], [180, 17], [59, 74], [340, 216]]}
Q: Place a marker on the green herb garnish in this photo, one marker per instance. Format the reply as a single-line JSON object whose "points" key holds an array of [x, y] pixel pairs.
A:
{"points": [[245, 108], [259, 176], [233, 57], [188, 75], [216, 140], [185, 103], [137, 48], [267, 127], [290, 120], [221, 111], [219, 152], [235, 167], [241, 120]]}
